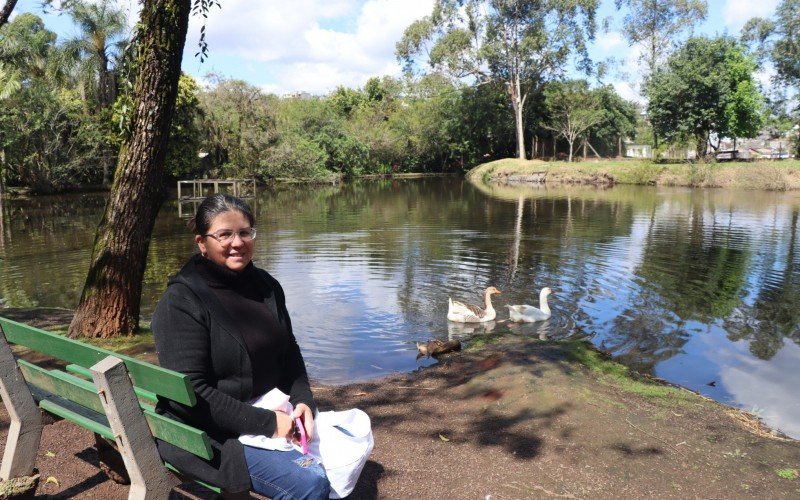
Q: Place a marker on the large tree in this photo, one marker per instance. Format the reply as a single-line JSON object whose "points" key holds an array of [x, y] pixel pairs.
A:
{"points": [[655, 24], [518, 43], [111, 296], [574, 109], [706, 87], [779, 41], [100, 23]]}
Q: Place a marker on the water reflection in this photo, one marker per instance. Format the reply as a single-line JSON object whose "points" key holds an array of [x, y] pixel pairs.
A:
{"points": [[692, 285]]}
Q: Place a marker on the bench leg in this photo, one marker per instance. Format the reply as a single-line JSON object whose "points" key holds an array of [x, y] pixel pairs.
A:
{"points": [[149, 478], [25, 430]]}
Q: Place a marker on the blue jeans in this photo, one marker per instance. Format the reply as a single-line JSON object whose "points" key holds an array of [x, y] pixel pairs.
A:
{"points": [[286, 474]]}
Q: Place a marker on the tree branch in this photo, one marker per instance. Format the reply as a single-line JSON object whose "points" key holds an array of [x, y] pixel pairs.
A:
{"points": [[5, 13]]}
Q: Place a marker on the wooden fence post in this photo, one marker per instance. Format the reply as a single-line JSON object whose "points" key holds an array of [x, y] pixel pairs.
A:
{"points": [[149, 478]]}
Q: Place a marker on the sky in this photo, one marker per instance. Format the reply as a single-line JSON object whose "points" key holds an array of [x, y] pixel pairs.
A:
{"points": [[318, 45]]}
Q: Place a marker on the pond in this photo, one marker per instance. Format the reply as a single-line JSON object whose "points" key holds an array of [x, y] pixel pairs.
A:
{"points": [[699, 287]]}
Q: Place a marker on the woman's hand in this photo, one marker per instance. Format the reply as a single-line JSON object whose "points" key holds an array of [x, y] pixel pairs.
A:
{"points": [[307, 417], [284, 426]]}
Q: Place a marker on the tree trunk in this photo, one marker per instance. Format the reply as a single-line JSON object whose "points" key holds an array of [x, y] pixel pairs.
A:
{"points": [[619, 145], [520, 129], [111, 296], [570, 151], [702, 144], [518, 103], [2, 172], [5, 13], [584, 149]]}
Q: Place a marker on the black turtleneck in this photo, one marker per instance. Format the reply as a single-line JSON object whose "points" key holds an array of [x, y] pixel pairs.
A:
{"points": [[254, 312]]}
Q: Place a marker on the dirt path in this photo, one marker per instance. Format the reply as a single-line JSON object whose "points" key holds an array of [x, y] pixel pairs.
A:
{"points": [[519, 419]]}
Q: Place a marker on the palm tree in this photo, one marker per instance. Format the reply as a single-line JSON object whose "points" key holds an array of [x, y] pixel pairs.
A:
{"points": [[100, 23]]}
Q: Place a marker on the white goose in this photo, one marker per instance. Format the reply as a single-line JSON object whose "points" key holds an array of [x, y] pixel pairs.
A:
{"points": [[528, 314], [470, 313]]}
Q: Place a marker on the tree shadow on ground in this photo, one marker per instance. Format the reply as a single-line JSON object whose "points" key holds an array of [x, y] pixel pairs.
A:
{"points": [[391, 403]]}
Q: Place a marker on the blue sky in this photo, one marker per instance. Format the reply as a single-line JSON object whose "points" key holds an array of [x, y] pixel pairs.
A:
{"points": [[317, 45]]}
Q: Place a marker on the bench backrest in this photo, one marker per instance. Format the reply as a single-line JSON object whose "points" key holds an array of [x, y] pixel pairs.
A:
{"points": [[66, 394]]}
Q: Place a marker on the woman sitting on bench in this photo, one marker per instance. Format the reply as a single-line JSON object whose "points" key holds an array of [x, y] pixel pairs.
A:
{"points": [[223, 322]]}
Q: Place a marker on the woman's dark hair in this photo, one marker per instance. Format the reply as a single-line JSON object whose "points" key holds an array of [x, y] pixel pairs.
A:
{"points": [[215, 205]]}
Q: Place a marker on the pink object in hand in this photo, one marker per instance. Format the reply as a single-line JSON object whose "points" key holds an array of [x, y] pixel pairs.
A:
{"points": [[303, 438]]}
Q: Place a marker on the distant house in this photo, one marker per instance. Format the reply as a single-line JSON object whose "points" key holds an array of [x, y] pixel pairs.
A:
{"points": [[297, 95], [762, 147], [638, 150]]}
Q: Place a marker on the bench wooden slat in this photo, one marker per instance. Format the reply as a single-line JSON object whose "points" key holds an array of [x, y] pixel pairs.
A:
{"points": [[85, 373], [84, 393], [183, 477], [74, 413], [167, 383]]}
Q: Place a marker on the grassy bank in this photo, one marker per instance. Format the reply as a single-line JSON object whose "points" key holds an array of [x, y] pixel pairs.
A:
{"points": [[766, 175]]}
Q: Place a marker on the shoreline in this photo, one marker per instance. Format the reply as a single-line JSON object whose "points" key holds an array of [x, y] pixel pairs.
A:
{"points": [[580, 353], [514, 417], [782, 175]]}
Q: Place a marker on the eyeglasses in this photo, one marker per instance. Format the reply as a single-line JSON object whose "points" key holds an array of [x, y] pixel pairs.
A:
{"points": [[226, 236]]}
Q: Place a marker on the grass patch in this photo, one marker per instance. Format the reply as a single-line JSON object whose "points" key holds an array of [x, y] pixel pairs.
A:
{"points": [[120, 344], [762, 175], [478, 342], [619, 375], [788, 473]]}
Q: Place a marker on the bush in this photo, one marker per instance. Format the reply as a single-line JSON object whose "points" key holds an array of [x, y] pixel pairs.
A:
{"points": [[294, 157]]}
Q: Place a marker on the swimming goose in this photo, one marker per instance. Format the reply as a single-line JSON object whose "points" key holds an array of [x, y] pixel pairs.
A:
{"points": [[528, 314], [470, 313]]}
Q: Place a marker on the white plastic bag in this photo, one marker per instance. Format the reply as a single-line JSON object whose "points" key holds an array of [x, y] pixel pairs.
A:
{"points": [[343, 444], [343, 441]]}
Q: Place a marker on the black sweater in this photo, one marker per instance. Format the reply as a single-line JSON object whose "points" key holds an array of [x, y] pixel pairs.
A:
{"points": [[196, 334]]}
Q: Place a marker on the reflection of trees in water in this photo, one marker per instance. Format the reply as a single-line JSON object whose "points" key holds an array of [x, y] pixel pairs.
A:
{"points": [[775, 313], [694, 267]]}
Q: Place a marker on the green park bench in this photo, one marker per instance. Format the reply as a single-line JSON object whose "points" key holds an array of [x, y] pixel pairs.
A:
{"points": [[107, 393]]}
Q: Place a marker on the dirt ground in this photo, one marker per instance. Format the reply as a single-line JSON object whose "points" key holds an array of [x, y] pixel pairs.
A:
{"points": [[514, 419]]}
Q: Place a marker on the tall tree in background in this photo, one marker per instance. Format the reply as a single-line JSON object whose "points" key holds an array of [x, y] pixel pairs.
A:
{"points": [[779, 41], [100, 24], [655, 24], [574, 109], [519, 43], [111, 296], [705, 88]]}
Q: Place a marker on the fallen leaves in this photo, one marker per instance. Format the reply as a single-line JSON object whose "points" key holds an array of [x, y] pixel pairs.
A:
{"points": [[443, 438], [51, 479]]}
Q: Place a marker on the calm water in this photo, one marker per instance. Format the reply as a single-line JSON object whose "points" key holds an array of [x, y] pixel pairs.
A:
{"points": [[695, 286]]}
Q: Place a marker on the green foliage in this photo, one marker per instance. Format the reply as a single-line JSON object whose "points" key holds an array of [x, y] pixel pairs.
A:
{"points": [[788, 473], [655, 24], [706, 87], [295, 157], [618, 119], [50, 136], [516, 44], [779, 41], [574, 109], [184, 137], [238, 127]]}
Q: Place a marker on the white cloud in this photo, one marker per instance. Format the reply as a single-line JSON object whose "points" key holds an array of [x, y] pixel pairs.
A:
{"points": [[627, 91], [311, 45], [736, 12], [608, 41]]}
